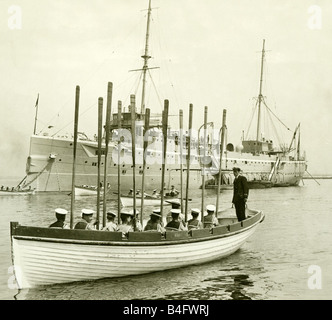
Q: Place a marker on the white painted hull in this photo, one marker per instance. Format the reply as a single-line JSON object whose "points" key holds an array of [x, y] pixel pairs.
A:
{"points": [[40, 261], [16, 193], [82, 191], [128, 202]]}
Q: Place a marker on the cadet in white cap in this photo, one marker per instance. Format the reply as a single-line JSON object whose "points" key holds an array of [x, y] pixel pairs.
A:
{"points": [[154, 224], [210, 220], [110, 224], [176, 204], [126, 224], [135, 220], [86, 222], [194, 223], [60, 215], [176, 223]]}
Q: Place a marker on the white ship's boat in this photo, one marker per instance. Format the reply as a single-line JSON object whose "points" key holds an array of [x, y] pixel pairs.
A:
{"points": [[15, 192], [44, 256], [85, 190], [49, 164], [127, 201]]}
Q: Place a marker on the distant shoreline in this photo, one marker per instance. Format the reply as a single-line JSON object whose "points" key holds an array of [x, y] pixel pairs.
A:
{"points": [[318, 177]]}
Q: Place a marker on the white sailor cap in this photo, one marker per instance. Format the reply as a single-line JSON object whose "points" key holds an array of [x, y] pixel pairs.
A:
{"points": [[176, 211], [129, 213], [87, 212], [111, 213], [211, 207], [176, 204], [61, 211], [156, 212], [195, 211]]}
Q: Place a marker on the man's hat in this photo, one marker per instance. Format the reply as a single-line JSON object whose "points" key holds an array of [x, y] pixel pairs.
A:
{"points": [[129, 213], [132, 212], [111, 214], [87, 212], [211, 208], [236, 169], [61, 211], [156, 212], [195, 211], [175, 203], [175, 211]]}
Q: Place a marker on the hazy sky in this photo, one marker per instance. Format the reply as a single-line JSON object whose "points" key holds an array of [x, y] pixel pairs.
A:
{"points": [[208, 53]]}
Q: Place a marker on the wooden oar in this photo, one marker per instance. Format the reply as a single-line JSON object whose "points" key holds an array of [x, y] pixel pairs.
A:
{"points": [[164, 151], [133, 148], [145, 145], [72, 206], [203, 162], [223, 128], [107, 138], [181, 155], [119, 151], [188, 157], [100, 126]]}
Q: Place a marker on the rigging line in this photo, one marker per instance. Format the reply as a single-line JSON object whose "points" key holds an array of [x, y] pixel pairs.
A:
{"points": [[252, 117], [69, 123], [155, 88], [275, 129], [275, 115]]}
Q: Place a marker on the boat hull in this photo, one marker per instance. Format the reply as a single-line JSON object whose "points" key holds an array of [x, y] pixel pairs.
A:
{"points": [[43, 260], [16, 193], [128, 201]]}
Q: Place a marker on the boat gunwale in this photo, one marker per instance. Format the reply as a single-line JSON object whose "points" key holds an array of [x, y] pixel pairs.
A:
{"points": [[126, 242]]}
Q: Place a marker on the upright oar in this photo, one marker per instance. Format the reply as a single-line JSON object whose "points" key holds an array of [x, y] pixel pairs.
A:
{"points": [[145, 145], [119, 158], [133, 148], [107, 139], [100, 126], [72, 206], [164, 151], [223, 128], [188, 158], [204, 159], [181, 155]]}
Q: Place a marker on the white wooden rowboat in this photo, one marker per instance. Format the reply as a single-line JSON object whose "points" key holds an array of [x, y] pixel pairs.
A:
{"points": [[16, 192], [87, 191], [43, 256], [127, 201]]}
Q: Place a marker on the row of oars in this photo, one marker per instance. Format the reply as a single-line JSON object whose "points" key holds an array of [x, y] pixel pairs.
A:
{"points": [[145, 144]]}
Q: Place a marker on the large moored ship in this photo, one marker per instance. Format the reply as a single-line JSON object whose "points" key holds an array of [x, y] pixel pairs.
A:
{"points": [[50, 160]]}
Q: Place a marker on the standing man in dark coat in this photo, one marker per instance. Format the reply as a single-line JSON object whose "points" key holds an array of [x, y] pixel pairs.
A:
{"points": [[240, 194]]}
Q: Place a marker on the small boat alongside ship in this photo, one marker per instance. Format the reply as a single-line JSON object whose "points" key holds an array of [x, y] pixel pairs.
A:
{"points": [[6, 191], [85, 190]]}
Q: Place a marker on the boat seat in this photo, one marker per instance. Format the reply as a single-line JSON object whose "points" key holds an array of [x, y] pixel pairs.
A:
{"points": [[151, 235], [171, 229], [176, 235], [199, 233]]}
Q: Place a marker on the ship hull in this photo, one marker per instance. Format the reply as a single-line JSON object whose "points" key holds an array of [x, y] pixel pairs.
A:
{"points": [[49, 167]]}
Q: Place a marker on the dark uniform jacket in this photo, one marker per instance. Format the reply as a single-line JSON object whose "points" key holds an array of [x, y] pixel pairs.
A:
{"points": [[241, 189], [58, 224]]}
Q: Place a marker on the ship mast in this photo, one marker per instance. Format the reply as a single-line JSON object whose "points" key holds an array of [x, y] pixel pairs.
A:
{"points": [[260, 96], [146, 57]]}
